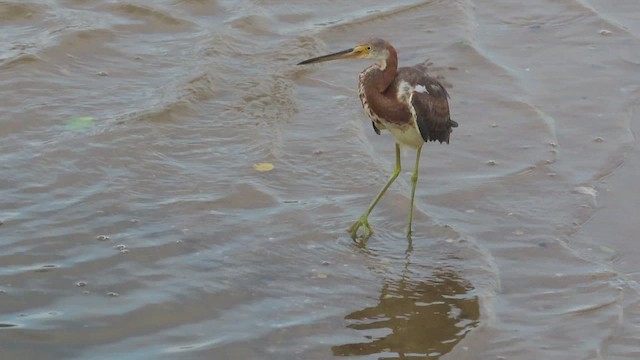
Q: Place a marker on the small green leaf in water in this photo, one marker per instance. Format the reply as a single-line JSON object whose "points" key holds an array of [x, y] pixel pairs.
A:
{"points": [[607, 249], [80, 123], [461, 44]]}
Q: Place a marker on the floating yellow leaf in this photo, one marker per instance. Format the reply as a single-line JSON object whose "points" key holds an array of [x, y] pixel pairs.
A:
{"points": [[263, 166]]}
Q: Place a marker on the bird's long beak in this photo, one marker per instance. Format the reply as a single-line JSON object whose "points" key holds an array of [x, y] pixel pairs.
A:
{"points": [[344, 54]]}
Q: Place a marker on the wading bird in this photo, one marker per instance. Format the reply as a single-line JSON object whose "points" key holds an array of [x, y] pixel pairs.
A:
{"points": [[405, 101]]}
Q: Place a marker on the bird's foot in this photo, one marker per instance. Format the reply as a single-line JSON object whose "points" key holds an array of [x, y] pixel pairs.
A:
{"points": [[367, 230]]}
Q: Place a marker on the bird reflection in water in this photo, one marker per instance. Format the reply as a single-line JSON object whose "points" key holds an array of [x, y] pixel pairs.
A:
{"points": [[421, 319]]}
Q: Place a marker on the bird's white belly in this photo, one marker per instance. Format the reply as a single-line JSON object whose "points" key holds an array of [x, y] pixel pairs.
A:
{"points": [[406, 135]]}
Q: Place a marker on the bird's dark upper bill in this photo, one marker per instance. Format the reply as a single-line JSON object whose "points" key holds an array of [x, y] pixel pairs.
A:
{"points": [[328, 57]]}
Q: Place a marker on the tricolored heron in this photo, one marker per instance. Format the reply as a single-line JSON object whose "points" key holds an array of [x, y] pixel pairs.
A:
{"points": [[406, 101]]}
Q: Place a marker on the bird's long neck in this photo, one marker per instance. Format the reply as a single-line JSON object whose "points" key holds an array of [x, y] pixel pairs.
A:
{"points": [[386, 70], [377, 90]]}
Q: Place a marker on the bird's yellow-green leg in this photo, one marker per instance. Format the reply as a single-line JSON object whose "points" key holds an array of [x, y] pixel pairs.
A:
{"points": [[414, 182], [364, 219]]}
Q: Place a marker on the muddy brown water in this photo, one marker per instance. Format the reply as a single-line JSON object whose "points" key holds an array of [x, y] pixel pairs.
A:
{"points": [[135, 226]]}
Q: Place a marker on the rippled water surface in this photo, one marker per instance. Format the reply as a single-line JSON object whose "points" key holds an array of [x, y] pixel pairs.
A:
{"points": [[134, 225]]}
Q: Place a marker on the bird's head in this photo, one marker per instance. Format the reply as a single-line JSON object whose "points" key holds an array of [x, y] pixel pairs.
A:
{"points": [[376, 49]]}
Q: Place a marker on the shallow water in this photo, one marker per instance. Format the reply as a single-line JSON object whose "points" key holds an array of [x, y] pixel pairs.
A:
{"points": [[134, 224]]}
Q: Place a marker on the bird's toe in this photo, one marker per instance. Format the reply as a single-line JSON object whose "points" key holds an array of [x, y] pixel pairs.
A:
{"points": [[367, 230]]}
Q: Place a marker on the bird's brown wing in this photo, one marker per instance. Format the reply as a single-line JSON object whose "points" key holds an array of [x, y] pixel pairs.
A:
{"points": [[429, 100]]}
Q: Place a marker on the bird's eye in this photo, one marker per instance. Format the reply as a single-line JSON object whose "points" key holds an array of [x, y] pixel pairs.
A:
{"points": [[368, 48]]}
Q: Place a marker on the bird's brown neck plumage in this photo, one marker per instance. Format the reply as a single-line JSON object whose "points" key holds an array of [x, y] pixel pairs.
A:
{"points": [[377, 90], [387, 70]]}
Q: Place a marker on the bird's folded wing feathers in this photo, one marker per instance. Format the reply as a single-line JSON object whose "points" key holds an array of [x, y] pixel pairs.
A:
{"points": [[432, 113]]}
